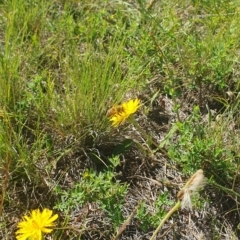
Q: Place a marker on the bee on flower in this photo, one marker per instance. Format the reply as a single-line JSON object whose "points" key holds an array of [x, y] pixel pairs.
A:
{"points": [[120, 113], [116, 109]]}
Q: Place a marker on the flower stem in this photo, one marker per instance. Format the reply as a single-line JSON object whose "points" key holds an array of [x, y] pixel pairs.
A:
{"points": [[167, 216]]}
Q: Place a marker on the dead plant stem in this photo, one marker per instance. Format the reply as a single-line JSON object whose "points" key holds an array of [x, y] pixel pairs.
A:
{"points": [[124, 225], [167, 216]]}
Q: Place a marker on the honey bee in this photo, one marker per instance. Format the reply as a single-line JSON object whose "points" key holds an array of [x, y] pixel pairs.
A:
{"points": [[115, 110]]}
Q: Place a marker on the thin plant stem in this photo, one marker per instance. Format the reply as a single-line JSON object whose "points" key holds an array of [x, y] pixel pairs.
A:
{"points": [[176, 109], [124, 225], [227, 190], [167, 216], [146, 136], [5, 182], [7, 163]]}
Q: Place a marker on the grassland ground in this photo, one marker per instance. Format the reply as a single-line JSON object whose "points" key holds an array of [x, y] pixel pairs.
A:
{"points": [[65, 63]]}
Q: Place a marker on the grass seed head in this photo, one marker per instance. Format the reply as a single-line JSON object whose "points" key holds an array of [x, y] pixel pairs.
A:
{"points": [[193, 185]]}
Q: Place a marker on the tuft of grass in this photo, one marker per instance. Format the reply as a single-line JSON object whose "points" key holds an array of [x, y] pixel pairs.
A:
{"points": [[195, 45], [62, 66]]}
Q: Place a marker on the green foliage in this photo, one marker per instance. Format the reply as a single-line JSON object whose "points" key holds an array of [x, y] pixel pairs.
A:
{"points": [[79, 61], [63, 63], [95, 188], [201, 146], [148, 219], [115, 161], [194, 44], [122, 147]]}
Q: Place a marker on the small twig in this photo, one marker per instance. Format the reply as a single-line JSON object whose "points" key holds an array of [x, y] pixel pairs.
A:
{"points": [[124, 225], [163, 181], [166, 232], [150, 179]]}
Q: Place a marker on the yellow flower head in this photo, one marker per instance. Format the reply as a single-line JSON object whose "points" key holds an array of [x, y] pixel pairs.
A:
{"points": [[124, 111], [32, 227]]}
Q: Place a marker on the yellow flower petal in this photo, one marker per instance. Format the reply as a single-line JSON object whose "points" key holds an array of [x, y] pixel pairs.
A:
{"points": [[131, 106], [127, 109], [34, 225]]}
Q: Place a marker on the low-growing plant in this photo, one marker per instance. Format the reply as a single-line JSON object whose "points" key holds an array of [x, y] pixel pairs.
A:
{"points": [[200, 145], [100, 188], [150, 219]]}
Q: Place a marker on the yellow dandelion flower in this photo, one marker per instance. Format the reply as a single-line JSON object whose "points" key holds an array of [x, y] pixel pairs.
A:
{"points": [[118, 119], [125, 110], [32, 227]]}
